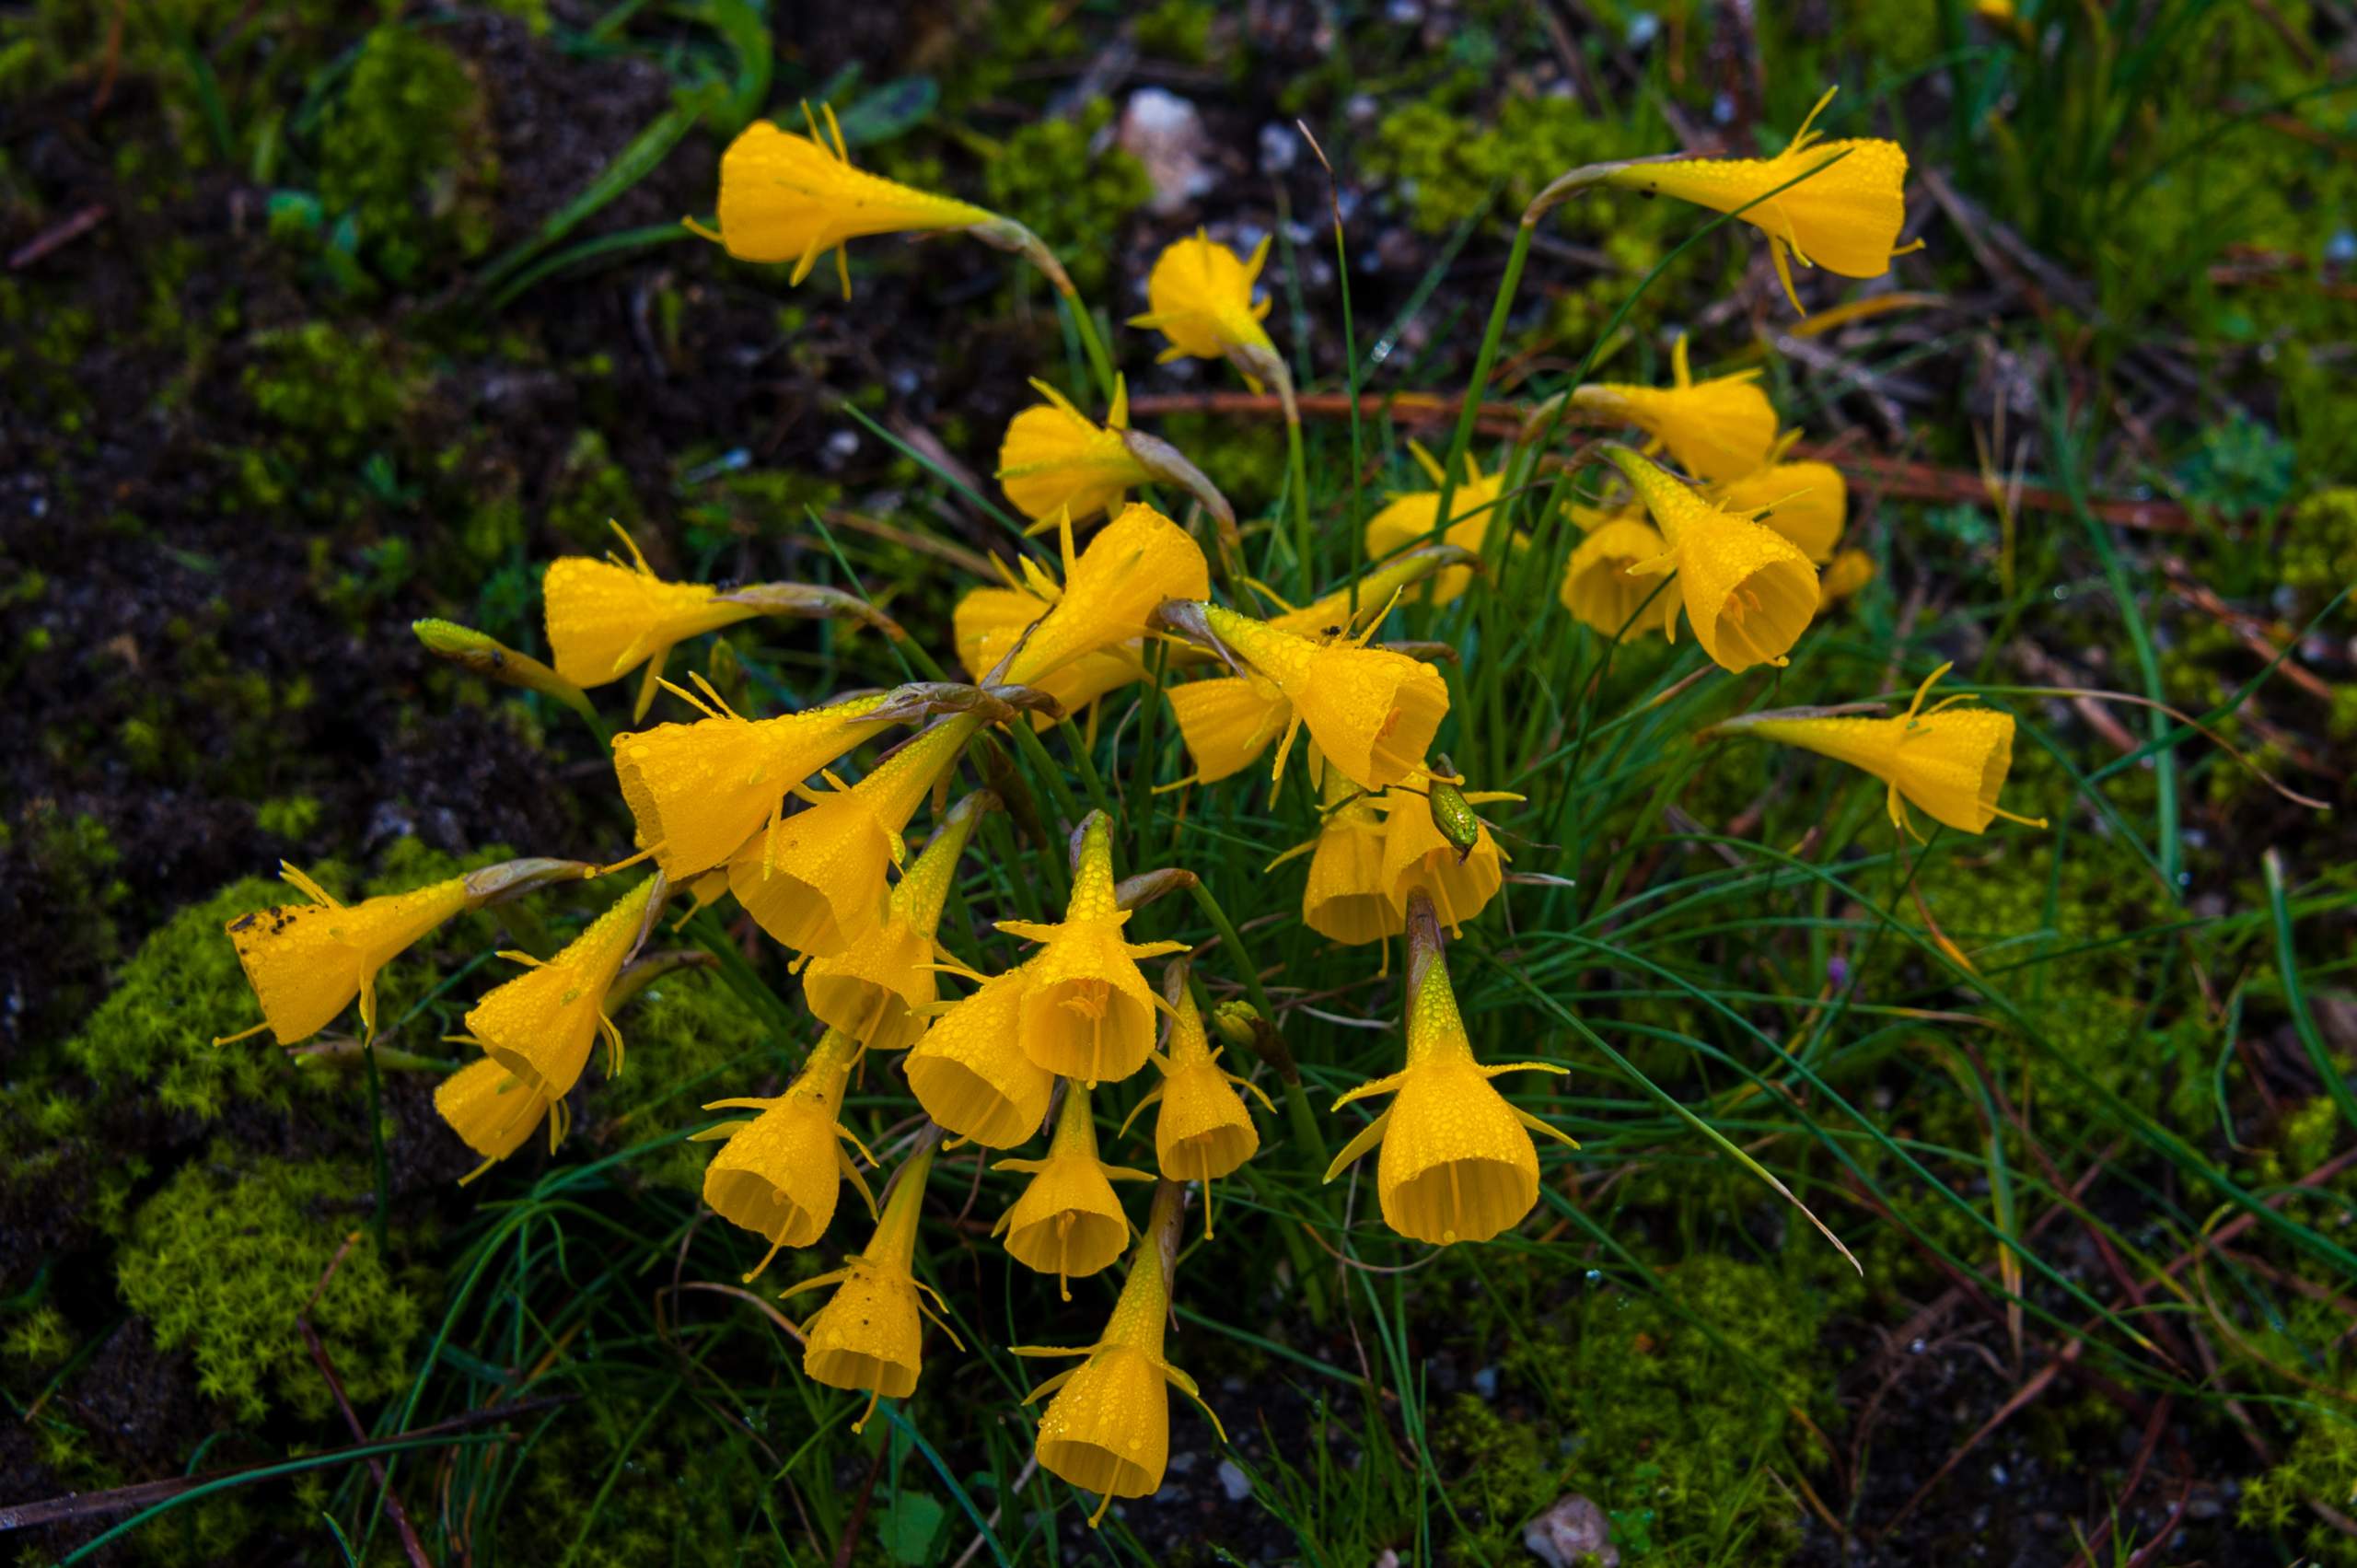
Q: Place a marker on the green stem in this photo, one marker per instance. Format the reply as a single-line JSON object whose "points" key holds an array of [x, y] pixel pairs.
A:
{"points": [[1297, 1108], [1461, 442], [1297, 469], [1091, 345]]}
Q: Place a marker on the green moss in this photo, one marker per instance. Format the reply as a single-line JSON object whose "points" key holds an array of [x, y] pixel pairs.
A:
{"points": [[405, 156], [290, 817], [1046, 175], [591, 490], [2318, 555], [39, 1341], [153, 1033], [691, 1041], [1446, 166], [223, 1259], [1179, 29], [677, 1495], [337, 392]]}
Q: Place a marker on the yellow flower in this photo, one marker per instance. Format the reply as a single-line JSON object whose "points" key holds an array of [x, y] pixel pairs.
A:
{"points": [[540, 1025], [1055, 459], [817, 883], [871, 1333], [1849, 571], [1087, 1013], [1948, 763], [1204, 1129], [971, 1073], [1068, 1222], [779, 1174], [1457, 1164], [306, 962], [1200, 297], [1339, 613], [1348, 898], [1229, 721], [1406, 519], [1719, 429], [1601, 587], [1844, 218], [492, 1112], [1079, 640], [698, 791], [1748, 590], [793, 198], [605, 619], [1108, 1429], [1805, 502], [1417, 856], [872, 989]]}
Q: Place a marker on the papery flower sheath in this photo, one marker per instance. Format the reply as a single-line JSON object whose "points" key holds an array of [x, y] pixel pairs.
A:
{"points": [[1947, 761], [605, 618], [1068, 1221], [1457, 1164], [306, 962], [492, 1112], [1055, 459], [1408, 519], [1844, 218], [969, 1070], [1806, 503], [1601, 587], [870, 1334], [1720, 429], [1204, 1129], [788, 197], [1747, 590], [1108, 1428], [1087, 1013], [817, 883], [1198, 296], [873, 989], [1372, 712], [698, 791], [540, 1025], [779, 1174]]}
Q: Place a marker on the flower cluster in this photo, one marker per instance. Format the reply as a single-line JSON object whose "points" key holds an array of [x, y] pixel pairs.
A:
{"points": [[850, 865]]}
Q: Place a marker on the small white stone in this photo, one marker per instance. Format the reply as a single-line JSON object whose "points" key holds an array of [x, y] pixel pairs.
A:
{"points": [[1234, 1481], [1165, 132]]}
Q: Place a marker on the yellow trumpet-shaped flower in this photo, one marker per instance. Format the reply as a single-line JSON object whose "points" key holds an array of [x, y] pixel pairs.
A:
{"points": [[1945, 761], [1068, 1222], [970, 1071], [1718, 429], [698, 791], [779, 1174], [1055, 459], [1417, 856], [1844, 218], [871, 1333], [1204, 1129], [1806, 503], [1229, 721], [1079, 639], [1372, 712], [1849, 571], [492, 1112], [1108, 1428], [306, 962], [605, 619], [1457, 1164], [793, 198], [1198, 296], [1748, 590], [1405, 519], [1601, 587], [1087, 1013], [1348, 898], [874, 988], [540, 1025], [817, 883]]}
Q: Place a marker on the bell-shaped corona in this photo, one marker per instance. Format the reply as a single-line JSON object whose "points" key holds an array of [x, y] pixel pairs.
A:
{"points": [[1408, 519], [1055, 459], [1204, 1129], [1600, 586], [1747, 590], [876, 990], [1087, 1013], [969, 1070], [779, 1174], [1068, 1221], [1720, 429], [540, 1025], [1457, 1164]]}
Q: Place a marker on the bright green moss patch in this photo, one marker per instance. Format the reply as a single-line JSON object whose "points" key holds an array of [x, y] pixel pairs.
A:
{"points": [[1046, 175], [222, 1261], [691, 1041], [406, 155]]}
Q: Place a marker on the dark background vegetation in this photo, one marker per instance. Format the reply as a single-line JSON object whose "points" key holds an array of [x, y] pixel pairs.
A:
{"points": [[316, 317]]}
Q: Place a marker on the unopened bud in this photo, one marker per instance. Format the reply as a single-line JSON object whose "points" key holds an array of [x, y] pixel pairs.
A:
{"points": [[479, 653]]}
